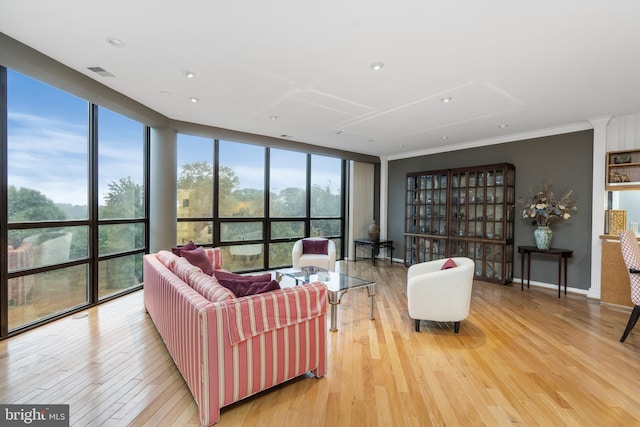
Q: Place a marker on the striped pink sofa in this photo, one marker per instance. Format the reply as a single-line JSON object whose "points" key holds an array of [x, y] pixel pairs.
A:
{"points": [[229, 348]]}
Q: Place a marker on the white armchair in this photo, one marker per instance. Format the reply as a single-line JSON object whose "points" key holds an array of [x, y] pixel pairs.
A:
{"points": [[440, 295], [316, 251]]}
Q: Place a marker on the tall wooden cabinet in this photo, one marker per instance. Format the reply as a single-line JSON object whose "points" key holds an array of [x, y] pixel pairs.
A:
{"points": [[463, 212]]}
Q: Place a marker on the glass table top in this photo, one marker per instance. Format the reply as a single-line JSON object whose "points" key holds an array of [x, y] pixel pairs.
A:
{"points": [[335, 281]]}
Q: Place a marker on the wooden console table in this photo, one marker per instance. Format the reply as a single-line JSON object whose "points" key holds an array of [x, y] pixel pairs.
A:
{"points": [[375, 246], [562, 254]]}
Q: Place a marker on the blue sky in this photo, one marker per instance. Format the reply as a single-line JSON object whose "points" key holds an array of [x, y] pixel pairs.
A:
{"points": [[47, 142], [47, 149]]}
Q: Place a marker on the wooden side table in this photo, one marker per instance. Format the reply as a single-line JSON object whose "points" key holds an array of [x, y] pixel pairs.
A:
{"points": [[375, 246], [562, 254]]}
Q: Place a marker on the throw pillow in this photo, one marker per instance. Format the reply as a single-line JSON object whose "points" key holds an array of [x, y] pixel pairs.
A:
{"points": [[225, 275], [188, 247], [199, 258], [449, 264], [315, 247], [242, 288]]}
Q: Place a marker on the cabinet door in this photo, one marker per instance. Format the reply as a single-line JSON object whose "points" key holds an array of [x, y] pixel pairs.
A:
{"points": [[493, 261], [458, 203], [411, 204]]}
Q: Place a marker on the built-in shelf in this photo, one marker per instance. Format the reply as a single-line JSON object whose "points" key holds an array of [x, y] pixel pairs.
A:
{"points": [[623, 170]]}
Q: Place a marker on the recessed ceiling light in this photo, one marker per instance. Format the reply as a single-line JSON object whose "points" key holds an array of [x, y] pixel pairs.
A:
{"points": [[273, 118], [400, 145], [446, 99], [503, 125], [338, 132], [194, 99], [444, 137], [377, 66], [189, 74], [164, 92], [115, 42]]}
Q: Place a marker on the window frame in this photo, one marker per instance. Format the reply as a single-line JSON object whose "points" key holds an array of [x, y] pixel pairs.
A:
{"points": [[92, 259], [266, 220]]}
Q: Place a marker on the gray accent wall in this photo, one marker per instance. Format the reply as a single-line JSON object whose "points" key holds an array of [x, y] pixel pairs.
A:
{"points": [[565, 160]]}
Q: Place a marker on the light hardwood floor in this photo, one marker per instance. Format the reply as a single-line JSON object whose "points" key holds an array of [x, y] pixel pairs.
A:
{"points": [[524, 358]]}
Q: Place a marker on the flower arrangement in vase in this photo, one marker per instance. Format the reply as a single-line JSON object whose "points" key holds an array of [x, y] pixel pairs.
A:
{"points": [[544, 208]]}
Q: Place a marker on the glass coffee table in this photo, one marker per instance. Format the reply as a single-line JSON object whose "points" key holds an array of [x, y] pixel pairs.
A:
{"points": [[337, 284]]}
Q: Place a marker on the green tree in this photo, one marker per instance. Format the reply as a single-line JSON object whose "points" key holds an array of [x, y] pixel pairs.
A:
{"points": [[290, 202], [195, 187], [125, 199], [227, 180], [248, 202], [29, 205], [323, 202]]}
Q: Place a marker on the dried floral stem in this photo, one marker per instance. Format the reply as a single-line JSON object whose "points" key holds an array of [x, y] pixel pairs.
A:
{"points": [[545, 208]]}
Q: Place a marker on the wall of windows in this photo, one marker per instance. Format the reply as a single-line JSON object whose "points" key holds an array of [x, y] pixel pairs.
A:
{"points": [[75, 225], [255, 201]]}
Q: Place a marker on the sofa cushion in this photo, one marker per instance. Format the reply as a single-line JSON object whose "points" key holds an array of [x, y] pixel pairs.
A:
{"points": [[188, 247], [199, 258], [243, 288], [315, 246], [209, 287], [183, 269], [215, 256], [166, 258]]}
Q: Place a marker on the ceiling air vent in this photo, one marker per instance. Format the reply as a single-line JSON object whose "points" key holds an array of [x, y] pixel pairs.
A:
{"points": [[101, 71]]}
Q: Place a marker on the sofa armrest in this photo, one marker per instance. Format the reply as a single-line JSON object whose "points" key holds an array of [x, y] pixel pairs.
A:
{"points": [[253, 315]]}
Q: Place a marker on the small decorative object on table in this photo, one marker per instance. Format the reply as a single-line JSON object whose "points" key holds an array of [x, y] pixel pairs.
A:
{"points": [[374, 230], [545, 208]]}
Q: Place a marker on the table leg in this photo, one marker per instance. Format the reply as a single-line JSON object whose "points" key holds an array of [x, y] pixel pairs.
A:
{"points": [[559, 274], [373, 253], [334, 317], [371, 290], [522, 271], [565, 275], [528, 269], [334, 302]]}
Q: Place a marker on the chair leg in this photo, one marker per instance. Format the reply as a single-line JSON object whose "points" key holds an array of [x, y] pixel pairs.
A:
{"points": [[456, 327], [632, 322], [417, 321]]}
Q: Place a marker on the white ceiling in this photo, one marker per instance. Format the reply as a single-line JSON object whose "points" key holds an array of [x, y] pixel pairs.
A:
{"points": [[529, 65]]}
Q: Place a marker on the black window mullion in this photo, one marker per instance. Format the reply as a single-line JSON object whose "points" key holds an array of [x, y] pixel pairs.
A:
{"points": [[343, 206], [147, 184], [266, 221], [4, 220], [216, 193], [93, 203], [307, 225]]}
